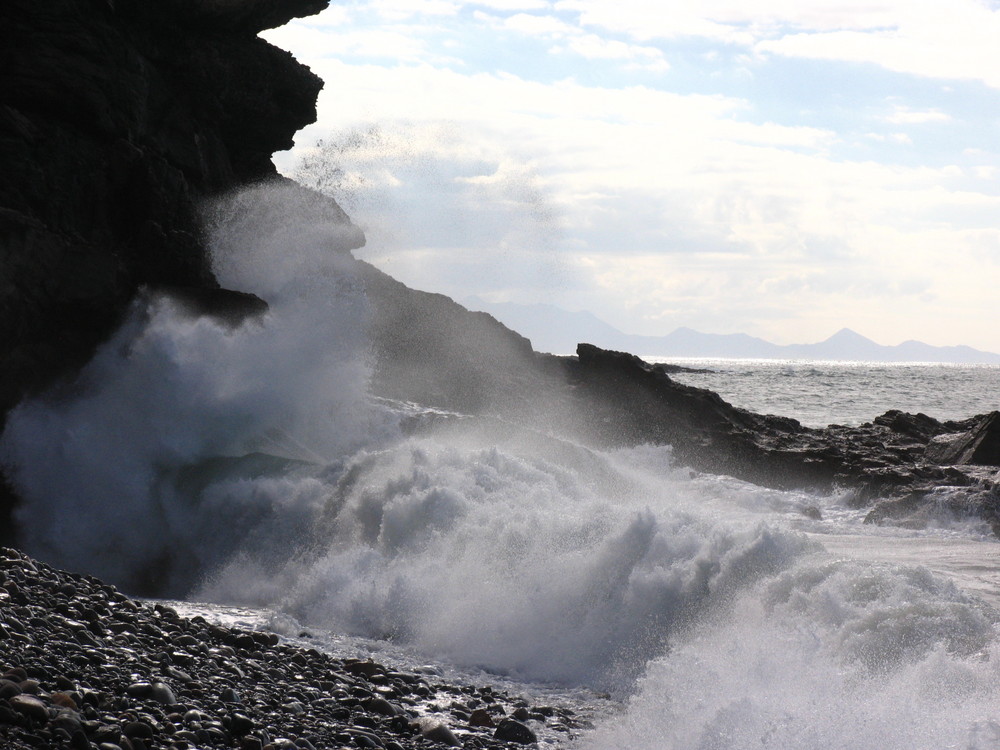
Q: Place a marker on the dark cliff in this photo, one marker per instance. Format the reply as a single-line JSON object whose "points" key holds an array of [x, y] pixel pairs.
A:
{"points": [[117, 118]]}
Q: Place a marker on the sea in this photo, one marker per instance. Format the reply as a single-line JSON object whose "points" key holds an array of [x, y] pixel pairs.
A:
{"points": [[248, 472], [820, 393]]}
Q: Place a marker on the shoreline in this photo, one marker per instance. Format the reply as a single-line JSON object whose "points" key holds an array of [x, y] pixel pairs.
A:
{"points": [[84, 666]]}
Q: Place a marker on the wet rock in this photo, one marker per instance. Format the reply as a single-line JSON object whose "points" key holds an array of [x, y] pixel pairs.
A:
{"points": [[303, 697], [481, 718], [381, 706], [979, 445], [138, 730], [140, 689], [161, 693], [240, 724], [436, 731], [362, 668], [511, 730], [30, 707], [9, 689]]}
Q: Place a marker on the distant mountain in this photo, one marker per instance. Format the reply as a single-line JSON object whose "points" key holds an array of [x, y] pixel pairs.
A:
{"points": [[552, 329]]}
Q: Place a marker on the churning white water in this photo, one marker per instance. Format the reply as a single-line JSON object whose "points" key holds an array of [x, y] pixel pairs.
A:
{"points": [[247, 465]]}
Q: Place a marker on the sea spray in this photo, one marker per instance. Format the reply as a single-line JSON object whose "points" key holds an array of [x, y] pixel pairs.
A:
{"points": [[517, 562], [828, 654], [99, 462]]}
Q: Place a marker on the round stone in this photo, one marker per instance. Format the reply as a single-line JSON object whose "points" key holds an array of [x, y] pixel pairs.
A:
{"points": [[161, 693], [511, 730], [8, 689], [30, 706]]}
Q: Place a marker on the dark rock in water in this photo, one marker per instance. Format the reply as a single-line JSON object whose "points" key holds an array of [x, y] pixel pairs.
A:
{"points": [[511, 730], [812, 512], [671, 369], [918, 426], [481, 718]]}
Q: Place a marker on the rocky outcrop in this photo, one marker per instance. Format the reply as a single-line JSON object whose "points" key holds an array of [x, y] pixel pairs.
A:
{"points": [[978, 445], [431, 350], [117, 118], [904, 464]]}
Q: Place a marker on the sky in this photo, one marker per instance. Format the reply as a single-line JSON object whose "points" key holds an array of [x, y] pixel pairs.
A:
{"points": [[782, 168]]}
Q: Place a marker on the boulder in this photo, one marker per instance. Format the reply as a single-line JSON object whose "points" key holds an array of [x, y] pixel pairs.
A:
{"points": [[978, 446]]}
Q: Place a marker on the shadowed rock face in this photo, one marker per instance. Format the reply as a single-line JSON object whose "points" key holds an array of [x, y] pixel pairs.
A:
{"points": [[117, 117]]}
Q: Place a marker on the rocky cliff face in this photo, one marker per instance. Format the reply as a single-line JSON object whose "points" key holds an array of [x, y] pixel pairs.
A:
{"points": [[117, 118]]}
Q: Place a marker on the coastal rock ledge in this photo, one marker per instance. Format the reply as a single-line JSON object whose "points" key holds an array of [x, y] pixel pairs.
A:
{"points": [[83, 666]]}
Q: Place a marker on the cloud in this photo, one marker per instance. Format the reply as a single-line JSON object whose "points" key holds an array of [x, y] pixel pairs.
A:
{"points": [[372, 43], [509, 5], [398, 10], [921, 37], [654, 207], [906, 116], [593, 47], [532, 25]]}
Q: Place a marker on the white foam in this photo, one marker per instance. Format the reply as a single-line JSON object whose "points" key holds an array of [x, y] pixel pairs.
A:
{"points": [[829, 654], [96, 463], [489, 557]]}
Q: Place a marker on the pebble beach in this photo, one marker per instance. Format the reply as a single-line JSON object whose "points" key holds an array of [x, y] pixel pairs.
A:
{"points": [[84, 666]]}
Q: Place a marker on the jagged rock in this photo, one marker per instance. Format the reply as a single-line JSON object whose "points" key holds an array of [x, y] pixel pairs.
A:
{"points": [[225, 305], [431, 350], [980, 445], [511, 730], [919, 426]]}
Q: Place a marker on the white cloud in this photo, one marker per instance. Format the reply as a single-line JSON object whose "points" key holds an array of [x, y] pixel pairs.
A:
{"points": [[509, 5], [533, 25], [659, 209], [956, 39], [593, 47], [907, 116], [645, 20], [398, 10], [334, 15]]}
